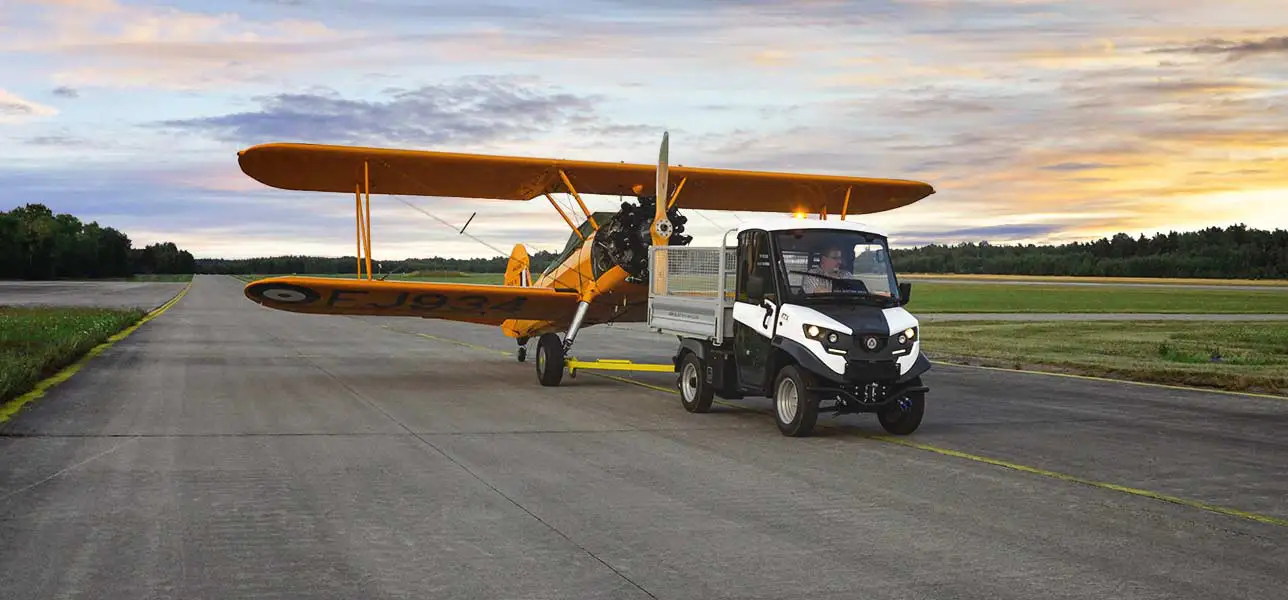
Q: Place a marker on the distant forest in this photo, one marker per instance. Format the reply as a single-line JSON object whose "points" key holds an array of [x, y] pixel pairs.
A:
{"points": [[37, 244], [349, 264], [1235, 252]]}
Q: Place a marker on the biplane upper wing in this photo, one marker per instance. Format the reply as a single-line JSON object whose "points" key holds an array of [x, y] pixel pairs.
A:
{"points": [[474, 303], [324, 168]]}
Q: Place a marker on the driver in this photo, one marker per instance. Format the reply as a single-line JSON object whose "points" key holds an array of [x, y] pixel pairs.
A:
{"points": [[830, 266]]}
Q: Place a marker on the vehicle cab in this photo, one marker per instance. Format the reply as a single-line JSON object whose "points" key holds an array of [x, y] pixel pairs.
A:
{"points": [[817, 315]]}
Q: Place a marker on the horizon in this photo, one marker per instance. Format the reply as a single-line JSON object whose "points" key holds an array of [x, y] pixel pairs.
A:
{"points": [[1096, 120]]}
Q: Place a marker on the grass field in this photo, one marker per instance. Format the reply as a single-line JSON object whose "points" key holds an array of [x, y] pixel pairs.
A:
{"points": [[985, 298], [1230, 356], [1066, 279], [37, 342]]}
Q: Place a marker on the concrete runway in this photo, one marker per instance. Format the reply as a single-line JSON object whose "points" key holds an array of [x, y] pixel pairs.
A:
{"points": [[114, 294], [225, 450]]}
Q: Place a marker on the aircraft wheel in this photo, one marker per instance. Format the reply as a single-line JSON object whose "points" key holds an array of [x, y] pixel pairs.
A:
{"points": [[550, 359], [523, 353], [795, 410], [904, 416], [695, 393]]}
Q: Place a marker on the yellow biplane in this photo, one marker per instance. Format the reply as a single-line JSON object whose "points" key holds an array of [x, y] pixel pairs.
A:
{"points": [[600, 277]]}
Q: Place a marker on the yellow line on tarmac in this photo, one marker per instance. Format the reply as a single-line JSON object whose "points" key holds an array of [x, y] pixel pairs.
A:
{"points": [[965, 455], [1075, 479], [13, 406]]}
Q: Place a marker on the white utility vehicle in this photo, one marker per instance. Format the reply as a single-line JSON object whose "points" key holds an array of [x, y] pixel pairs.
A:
{"points": [[801, 311]]}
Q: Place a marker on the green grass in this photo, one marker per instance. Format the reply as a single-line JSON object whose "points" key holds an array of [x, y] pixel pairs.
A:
{"points": [[35, 342], [963, 277], [986, 298], [1249, 356]]}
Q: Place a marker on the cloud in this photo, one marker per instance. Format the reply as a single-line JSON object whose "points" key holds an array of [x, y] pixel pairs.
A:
{"points": [[66, 92], [1018, 113], [992, 234], [14, 108], [1077, 166], [57, 140], [107, 43], [470, 111], [1235, 50]]}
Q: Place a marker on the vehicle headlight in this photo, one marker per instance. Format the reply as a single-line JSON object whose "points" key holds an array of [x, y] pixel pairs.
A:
{"points": [[834, 341], [907, 336]]}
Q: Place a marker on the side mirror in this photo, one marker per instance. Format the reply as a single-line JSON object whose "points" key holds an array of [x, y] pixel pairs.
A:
{"points": [[755, 287], [905, 293]]}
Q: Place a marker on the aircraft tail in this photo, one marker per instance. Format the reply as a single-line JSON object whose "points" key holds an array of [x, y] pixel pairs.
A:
{"points": [[517, 272]]}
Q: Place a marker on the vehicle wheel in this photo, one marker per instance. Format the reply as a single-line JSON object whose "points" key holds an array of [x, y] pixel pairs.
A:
{"points": [[695, 393], [904, 417], [795, 410], [550, 359], [523, 353]]}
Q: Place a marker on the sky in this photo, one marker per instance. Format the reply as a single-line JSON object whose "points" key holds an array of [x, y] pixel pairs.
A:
{"points": [[1036, 121]]}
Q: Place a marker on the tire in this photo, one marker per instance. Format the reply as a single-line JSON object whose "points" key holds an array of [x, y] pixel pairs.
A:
{"points": [[894, 419], [795, 410], [695, 393], [550, 360]]}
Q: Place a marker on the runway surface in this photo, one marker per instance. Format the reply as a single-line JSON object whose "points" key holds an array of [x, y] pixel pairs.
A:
{"points": [[115, 294], [225, 450]]}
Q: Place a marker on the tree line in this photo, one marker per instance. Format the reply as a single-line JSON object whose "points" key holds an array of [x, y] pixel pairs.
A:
{"points": [[315, 265], [35, 243], [1235, 252]]}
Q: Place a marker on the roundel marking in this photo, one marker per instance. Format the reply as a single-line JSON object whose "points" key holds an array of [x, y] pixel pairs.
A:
{"points": [[285, 293]]}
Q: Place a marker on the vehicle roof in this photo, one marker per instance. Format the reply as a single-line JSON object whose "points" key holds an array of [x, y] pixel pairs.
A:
{"points": [[778, 223]]}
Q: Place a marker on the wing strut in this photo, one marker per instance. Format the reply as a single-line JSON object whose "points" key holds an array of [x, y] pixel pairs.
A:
{"points": [[565, 216], [357, 231], [846, 206], [362, 231], [676, 194], [564, 176]]}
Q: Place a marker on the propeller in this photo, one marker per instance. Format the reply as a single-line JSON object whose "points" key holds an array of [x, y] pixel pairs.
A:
{"points": [[662, 227]]}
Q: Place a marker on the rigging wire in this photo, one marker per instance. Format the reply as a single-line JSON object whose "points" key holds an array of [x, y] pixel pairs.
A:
{"points": [[449, 225]]}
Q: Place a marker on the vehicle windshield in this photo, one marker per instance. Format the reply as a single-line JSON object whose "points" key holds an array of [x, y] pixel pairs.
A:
{"points": [[836, 264]]}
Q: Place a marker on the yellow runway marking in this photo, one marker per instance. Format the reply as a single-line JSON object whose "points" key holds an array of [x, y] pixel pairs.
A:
{"points": [[13, 406], [1075, 479], [972, 457]]}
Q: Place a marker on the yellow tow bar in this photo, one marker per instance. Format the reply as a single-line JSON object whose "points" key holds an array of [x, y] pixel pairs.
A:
{"points": [[605, 364]]}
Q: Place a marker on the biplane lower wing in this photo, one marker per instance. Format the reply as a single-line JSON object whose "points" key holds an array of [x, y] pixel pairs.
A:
{"points": [[473, 303]]}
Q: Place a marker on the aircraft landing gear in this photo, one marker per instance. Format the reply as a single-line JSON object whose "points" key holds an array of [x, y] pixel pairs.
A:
{"points": [[523, 349], [551, 351], [550, 359]]}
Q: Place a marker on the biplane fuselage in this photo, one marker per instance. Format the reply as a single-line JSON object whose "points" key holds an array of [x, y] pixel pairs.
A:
{"points": [[613, 297]]}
